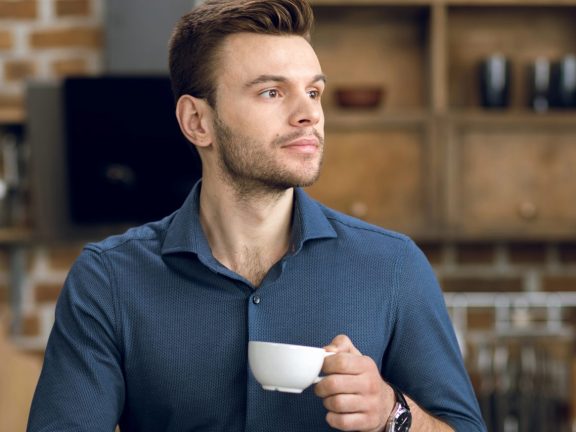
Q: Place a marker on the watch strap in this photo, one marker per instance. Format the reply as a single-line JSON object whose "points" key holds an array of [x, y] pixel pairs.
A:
{"points": [[400, 418]]}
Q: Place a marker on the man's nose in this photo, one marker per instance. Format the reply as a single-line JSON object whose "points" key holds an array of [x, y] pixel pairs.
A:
{"points": [[306, 111]]}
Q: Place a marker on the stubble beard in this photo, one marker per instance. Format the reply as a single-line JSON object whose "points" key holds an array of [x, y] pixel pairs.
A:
{"points": [[251, 171]]}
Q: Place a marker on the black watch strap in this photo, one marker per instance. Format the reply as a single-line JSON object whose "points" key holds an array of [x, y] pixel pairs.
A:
{"points": [[400, 419]]}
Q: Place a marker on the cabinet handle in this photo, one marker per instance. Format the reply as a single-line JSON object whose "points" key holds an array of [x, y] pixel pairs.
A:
{"points": [[527, 210], [359, 209]]}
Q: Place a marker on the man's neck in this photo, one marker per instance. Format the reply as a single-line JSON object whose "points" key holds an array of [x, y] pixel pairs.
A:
{"points": [[247, 233]]}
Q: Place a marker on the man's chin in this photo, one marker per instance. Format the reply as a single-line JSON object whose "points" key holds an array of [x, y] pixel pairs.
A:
{"points": [[307, 181]]}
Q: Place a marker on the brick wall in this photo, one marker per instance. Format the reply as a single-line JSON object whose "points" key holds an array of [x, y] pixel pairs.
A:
{"points": [[41, 39], [504, 267]]}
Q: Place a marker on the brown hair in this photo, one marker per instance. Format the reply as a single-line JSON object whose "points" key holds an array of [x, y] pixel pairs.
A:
{"points": [[199, 34]]}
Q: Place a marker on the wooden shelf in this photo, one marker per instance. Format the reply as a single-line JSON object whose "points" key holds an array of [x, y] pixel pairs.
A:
{"points": [[463, 172], [383, 47], [9, 236], [399, 3], [518, 3], [358, 119], [504, 118], [521, 34], [11, 116]]}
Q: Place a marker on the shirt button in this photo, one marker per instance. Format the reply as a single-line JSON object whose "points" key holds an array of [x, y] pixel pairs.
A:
{"points": [[256, 299]]}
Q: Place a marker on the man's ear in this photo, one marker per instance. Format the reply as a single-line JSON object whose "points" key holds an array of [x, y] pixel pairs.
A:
{"points": [[193, 115]]}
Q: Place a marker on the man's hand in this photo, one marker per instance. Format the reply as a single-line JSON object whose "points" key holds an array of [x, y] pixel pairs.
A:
{"points": [[356, 397]]}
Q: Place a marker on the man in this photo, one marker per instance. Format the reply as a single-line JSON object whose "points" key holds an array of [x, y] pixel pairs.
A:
{"points": [[152, 326]]}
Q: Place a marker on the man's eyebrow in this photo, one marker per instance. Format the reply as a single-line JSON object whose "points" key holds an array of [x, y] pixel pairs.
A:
{"points": [[319, 77], [280, 79], [266, 78]]}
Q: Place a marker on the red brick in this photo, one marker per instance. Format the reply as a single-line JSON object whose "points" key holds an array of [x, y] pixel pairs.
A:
{"points": [[4, 297], [472, 284], [72, 7], [433, 252], [11, 101], [567, 253], [480, 318], [527, 253], [475, 253], [6, 40], [19, 70], [68, 67], [30, 325], [12, 108], [21, 9], [47, 292], [76, 37], [559, 283], [569, 317], [62, 257], [4, 261], [38, 355]]}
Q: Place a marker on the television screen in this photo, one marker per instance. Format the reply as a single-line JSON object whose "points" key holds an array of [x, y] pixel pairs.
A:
{"points": [[127, 160]]}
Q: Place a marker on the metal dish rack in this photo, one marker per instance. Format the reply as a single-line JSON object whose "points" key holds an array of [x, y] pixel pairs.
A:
{"points": [[522, 366]]}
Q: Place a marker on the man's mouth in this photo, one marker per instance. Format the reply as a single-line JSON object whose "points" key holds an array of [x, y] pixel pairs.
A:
{"points": [[307, 143]]}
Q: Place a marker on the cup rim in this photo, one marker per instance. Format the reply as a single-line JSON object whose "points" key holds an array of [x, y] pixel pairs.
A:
{"points": [[285, 345]]}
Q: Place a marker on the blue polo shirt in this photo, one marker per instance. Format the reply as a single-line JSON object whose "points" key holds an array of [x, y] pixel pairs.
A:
{"points": [[151, 331]]}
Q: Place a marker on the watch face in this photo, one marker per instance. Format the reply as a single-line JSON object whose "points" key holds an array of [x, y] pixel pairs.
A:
{"points": [[403, 422]]}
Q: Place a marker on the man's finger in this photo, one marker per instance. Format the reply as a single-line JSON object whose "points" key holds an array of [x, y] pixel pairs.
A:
{"points": [[346, 363], [337, 384], [342, 343], [344, 403]]}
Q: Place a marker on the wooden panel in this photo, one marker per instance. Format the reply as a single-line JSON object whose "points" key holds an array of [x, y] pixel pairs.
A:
{"points": [[522, 34], [379, 175], [438, 66], [514, 181], [507, 2], [382, 46]]}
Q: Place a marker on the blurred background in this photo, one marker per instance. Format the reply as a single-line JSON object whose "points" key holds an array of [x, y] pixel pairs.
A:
{"points": [[453, 121]]}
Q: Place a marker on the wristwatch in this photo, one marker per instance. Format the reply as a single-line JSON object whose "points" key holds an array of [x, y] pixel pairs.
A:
{"points": [[400, 418]]}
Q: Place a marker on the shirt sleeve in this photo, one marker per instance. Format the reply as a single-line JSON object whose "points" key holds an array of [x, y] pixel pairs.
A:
{"points": [[81, 385], [424, 359]]}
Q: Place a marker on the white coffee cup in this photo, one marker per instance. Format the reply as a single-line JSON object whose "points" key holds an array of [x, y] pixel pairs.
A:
{"points": [[285, 367]]}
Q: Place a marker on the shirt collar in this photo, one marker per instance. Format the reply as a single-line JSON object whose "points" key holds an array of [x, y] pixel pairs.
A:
{"points": [[309, 221], [185, 233]]}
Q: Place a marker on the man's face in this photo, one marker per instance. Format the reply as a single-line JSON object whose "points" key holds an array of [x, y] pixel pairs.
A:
{"points": [[269, 124]]}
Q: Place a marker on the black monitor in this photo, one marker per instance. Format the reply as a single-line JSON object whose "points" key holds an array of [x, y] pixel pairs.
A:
{"points": [[127, 160]]}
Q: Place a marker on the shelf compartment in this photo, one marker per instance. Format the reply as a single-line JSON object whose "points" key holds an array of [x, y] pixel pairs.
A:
{"points": [[519, 118], [512, 180], [381, 176], [520, 33], [10, 116], [358, 120], [384, 46]]}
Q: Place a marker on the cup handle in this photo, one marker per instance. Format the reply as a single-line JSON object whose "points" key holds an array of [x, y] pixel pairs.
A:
{"points": [[320, 378]]}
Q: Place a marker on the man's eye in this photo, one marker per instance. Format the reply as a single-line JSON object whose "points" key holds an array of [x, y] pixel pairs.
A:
{"points": [[314, 94], [272, 93]]}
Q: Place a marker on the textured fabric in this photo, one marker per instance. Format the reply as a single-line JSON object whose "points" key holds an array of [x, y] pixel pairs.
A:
{"points": [[151, 332]]}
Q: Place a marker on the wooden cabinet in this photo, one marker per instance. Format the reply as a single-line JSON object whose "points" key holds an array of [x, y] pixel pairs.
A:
{"points": [[378, 161], [512, 178], [430, 161], [378, 174]]}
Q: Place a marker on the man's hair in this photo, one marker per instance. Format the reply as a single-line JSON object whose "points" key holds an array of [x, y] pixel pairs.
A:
{"points": [[199, 34]]}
